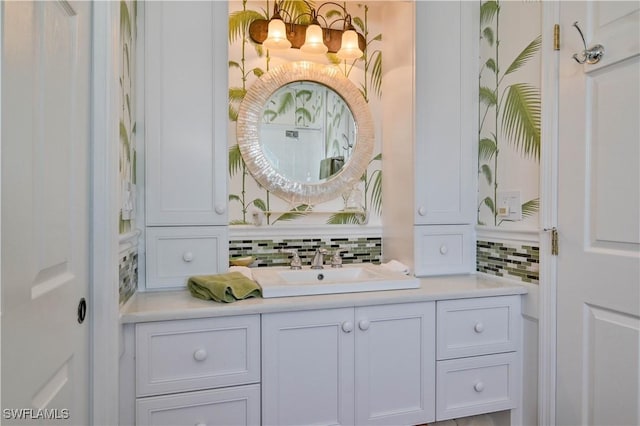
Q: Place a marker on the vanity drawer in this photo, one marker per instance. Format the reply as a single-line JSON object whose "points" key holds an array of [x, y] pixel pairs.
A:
{"points": [[478, 326], [176, 356], [239, 406], [443, 249], [174, 254], [475, 385]]}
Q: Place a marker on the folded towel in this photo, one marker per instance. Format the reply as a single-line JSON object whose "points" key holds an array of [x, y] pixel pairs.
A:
{"points": [[224, 288], [394, 265]]}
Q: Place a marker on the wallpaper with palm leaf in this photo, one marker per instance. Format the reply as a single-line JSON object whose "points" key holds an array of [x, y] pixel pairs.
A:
{"points": [[127, 121], [509, 108], [248, 201]]}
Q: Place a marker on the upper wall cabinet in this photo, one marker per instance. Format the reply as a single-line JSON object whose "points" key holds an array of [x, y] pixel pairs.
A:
{"points": [[429, 180], [446, 88], [186, 113]]}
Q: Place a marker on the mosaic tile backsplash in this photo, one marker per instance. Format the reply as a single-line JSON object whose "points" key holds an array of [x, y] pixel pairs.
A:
{"points": [[128, 275], [267, 252], [510, 260]]}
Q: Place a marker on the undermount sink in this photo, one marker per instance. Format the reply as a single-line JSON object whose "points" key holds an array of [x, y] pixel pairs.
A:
{"points": [[282, 282]]}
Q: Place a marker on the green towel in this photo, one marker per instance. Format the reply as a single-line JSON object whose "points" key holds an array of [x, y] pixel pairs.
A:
{"points": [[225, 288]]}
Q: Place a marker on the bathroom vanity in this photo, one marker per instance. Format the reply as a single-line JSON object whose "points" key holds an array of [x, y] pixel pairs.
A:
{"points": [[449, 349]]}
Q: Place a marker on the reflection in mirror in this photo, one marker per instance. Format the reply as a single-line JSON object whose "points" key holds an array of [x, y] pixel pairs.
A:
{"points": [[307, 131]]}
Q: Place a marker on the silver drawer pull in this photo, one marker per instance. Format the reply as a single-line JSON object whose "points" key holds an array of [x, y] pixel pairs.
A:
{"points": [[479, 327], [478, 387], [200, 355], [187, 256]]}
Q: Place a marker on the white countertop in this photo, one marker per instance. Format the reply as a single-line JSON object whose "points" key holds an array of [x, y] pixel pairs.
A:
{"points": [[173, 305]]}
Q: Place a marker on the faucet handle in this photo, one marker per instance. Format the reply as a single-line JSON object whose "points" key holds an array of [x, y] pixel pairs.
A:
{"points": [[296, 263], [336, 259]]}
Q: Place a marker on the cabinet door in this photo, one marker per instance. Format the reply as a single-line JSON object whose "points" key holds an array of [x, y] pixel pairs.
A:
{"points": [[307, 368], [445, 112], [394, 364], [186, 113]]}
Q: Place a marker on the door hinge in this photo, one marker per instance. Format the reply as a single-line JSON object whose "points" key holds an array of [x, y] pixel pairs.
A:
{"points": [[556, 37], [554, 240]]}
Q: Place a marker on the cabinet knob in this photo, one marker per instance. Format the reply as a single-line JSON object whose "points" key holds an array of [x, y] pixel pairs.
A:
{"points": [[347, 326], [201, 424], [187, 256], [444, 249], [478, 387], [422, 211], [200, 355], [479, 327], [364, 325], [220, 209]]}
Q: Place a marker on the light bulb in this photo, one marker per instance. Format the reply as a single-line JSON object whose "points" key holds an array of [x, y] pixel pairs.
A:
{"points": [[349, 49], [313, 40], [276, 35]]}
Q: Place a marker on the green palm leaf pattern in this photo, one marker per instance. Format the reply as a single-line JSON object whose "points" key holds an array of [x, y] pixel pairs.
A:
{"points": [[487, 11], [235, 160], [346, 218], [530, 207], [376, 73], [376, 192], [528, 52], [239, 22], [488, 96], [487, 149], [491, 64], [298, 211], [488, 201], [487, 33], [521, 118], [486, 171]]}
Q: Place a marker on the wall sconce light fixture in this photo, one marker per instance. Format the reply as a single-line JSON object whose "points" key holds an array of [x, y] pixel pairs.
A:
{"points": [[278, 34]]}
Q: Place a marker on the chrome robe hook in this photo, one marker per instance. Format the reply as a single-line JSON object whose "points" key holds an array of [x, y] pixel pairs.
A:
{"points": [[591, 55]]}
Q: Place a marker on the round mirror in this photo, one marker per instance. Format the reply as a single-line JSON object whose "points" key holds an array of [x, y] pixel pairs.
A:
{"points": [[305, 132]]}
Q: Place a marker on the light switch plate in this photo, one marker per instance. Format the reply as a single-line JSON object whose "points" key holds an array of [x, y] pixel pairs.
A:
{"points": [[508, 205]]}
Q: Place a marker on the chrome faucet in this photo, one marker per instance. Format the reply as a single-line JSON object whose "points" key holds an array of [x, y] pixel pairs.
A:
{"points": [[296, 263], [318, 259], [336, 259]]}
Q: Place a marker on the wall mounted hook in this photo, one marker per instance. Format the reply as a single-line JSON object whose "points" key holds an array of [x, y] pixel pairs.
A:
{"points": [[591, 55]]}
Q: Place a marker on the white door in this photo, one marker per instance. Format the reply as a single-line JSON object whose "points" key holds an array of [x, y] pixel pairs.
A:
{"points": [[46, 56], [598, 328]]}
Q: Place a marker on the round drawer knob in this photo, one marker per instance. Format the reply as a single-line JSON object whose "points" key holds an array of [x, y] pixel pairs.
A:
{"points": [[478, 387], [347, 326], [187, 256], [201, 424], [444, 249], [200, 355], [479, 327], [220, 209], [422, 211], [364, 325]]}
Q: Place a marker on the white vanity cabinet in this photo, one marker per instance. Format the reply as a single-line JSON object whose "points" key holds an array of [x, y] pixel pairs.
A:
{"points": [[430, 184], [368, 365], [185, 122], [200, 371], [478, 356]]}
